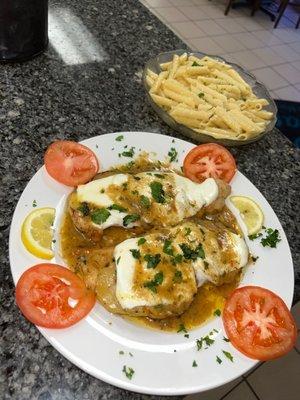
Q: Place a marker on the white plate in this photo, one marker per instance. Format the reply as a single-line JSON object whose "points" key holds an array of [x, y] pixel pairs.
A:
{"points": [[94, 343]]}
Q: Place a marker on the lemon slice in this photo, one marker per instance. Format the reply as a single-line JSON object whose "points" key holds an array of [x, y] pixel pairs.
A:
{"points": [[250, 212], [37, 232]]}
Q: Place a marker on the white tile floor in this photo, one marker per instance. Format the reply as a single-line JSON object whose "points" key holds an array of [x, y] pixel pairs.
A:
{"points": [[273, 55]]}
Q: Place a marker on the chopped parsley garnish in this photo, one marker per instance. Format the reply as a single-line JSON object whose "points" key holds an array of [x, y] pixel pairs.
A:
{"points": [[226, 339], [181, 328], [194, 364], [187, 231], [201, 95], [177, 259], [205, 264], [217, 312], [34, 203], [204, 340], [117, 208], [254, 236], [218, 359], [186, 335], [118, 260], [84, 209], [160, 176], [119, 138], [152, 261], [177, 278], [141, 241], [100, 216], [121, 352], [190, 254], [135, 253], [131, 355], [129, 219], [157, 280], [272, 238], [128, 371], [128, 153], [157, 192], [228, 355], [137, 178], [195, 64], [102, 191], [254, 259], [145, 202], [173, 154], [135, 192], [168, 248]]}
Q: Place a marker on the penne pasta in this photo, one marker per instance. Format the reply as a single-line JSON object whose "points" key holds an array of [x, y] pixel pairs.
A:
{"points": [[208, 96]]}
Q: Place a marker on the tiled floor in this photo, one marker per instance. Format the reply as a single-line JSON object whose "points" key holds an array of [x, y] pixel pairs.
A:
{"points": [[276, 380], [273, 55]]}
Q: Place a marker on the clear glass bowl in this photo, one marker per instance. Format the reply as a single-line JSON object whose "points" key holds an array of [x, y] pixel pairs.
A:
{"points": [[258, 88]]}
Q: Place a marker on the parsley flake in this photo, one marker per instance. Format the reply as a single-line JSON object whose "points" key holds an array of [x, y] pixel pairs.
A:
{"points": [[129, 219], [100, 216], [228, 355], [173, 154], [157, 192], [272, 238], [128, 153], [84, 209], [177, 278], [190, 254], [119, 138], [152, 260], [121, 352], [168, 248], [135, 253], [117, 207], [217, 312], [128, 371], [226, 339], [201, 95], [181, 328], [195, 64], [34, 204], [254, 236], [218, 359], [194, 364], [157, 280], [144, 201], [141, 241]]}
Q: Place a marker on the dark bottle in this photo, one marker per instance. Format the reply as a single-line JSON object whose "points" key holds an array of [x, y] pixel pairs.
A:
{"points": [[23, 29]]}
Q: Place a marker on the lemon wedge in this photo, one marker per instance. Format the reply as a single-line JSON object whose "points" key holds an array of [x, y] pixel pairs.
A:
{"points": [[37, 232], [250, 212]]}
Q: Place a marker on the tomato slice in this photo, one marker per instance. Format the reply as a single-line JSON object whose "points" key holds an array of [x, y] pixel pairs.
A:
{"points": [[52, 296], [258, 323], [209, 161], [70, 163]]}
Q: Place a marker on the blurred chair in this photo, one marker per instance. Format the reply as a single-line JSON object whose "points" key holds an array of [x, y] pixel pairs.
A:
{"points": [[281, 9], [255, 6]]}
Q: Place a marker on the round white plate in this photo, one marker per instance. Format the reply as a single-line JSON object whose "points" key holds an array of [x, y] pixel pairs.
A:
{"points": [[162, 361]]}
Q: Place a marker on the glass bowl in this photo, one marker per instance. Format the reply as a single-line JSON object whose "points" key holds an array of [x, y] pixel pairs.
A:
{"points": [[258, 88]]}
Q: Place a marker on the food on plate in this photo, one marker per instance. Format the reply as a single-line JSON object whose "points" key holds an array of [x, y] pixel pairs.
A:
{"points": [[155, 246], [150, 198], [250, 212], [52, 296], [37, 232], [157, 275], [208, 96], [70, 163], [258, 323], [209, 161]]}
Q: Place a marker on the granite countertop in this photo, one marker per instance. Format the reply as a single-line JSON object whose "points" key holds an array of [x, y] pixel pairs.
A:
{"points": [[47, 99]]}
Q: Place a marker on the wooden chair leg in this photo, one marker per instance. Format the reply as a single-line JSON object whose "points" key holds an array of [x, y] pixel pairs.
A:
{"points": [[255, 7], [281, 11], [298, 23], [229, 4]]}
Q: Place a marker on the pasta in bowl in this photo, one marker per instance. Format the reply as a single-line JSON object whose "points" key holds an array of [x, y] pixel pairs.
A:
{"points": [[208, 99]]}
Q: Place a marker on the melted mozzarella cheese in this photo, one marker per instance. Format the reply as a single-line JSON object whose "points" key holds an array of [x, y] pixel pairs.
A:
{"points": [[191, 196], [94, 191], [125, 265]]}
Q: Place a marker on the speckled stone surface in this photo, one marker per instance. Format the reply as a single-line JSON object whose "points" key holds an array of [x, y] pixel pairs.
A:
{"points": [[45, 99]]}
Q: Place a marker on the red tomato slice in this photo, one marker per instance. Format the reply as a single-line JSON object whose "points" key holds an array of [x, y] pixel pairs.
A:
{"points": [[70, 163], [258, 323], [209, 161], [52, 296]]}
